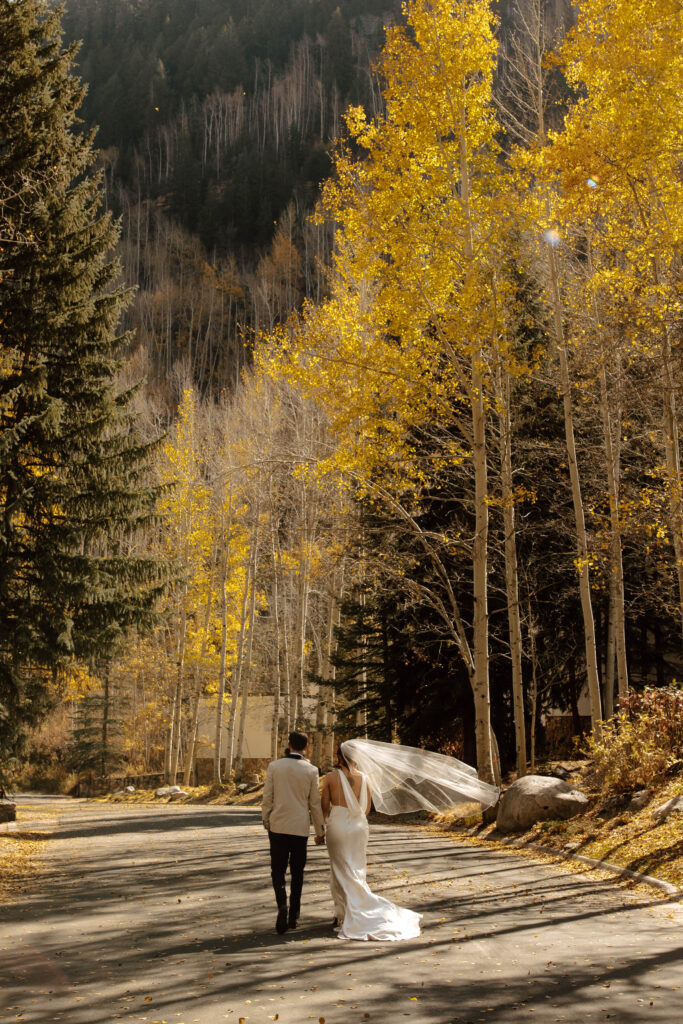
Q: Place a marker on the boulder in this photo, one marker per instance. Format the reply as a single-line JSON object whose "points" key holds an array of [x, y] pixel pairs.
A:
{"points": [[179, 794], [129, 789], [538, 798], [167, 790], [8, 811], [639, 800], [673, 806]]}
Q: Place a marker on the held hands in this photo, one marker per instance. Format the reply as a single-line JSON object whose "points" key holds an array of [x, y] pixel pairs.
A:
{"points": [[320, 840]]}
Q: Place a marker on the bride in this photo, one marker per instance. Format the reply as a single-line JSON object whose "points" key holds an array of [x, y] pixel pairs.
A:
{"points": [[397, 779]]}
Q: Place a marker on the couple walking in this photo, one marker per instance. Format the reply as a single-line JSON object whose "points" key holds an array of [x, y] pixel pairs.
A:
{"points": [[397, 780]]}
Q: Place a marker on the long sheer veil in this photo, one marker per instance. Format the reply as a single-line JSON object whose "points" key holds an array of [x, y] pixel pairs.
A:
{"points": [[405, 779]]}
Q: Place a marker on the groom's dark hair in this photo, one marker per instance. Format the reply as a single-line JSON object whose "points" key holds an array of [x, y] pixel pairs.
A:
{"points": [[298, 741]]}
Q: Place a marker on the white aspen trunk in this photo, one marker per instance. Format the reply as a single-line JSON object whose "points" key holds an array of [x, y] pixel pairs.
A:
{"points": [[480, 681], [617, 621], [237, 677], [196, 700], [275, 721], [287, 674], [192, 741], [511, 572], [534, 692], [168, 753], [330, 711], [673, 460], [302, 602], [608, 689], [222, 668], [579, 518], [218, 741], [480, 666], [173, 752], [246, 673], [277, 684]]}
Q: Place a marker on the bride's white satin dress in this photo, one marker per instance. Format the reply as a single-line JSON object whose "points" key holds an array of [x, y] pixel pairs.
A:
{"points": [[361, 914]]}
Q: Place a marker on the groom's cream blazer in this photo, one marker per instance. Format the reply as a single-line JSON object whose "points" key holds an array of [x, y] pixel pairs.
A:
{"points": [[291, 797]]}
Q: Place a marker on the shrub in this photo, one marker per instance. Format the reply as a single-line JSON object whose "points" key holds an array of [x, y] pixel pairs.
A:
{"points": [[640, 742]]}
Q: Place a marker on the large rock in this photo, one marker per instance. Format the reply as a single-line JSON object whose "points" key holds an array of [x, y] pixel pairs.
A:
{"points": [[167, 790], [537, 798], [639, 800], [8, 811], [673, 806]]}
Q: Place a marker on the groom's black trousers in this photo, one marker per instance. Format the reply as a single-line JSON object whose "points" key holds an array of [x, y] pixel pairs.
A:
{"points": [[287, 851]]}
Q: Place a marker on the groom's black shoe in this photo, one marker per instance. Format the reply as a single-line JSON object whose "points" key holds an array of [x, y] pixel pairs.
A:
{"points": [[292, 920], [281, 923]]}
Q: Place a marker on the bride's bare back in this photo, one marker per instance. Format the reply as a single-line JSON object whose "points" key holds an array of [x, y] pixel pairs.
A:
{"points": [[333, 794]]}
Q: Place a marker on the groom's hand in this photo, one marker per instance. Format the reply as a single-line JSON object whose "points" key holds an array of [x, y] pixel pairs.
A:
{"points": [[320, 840]]}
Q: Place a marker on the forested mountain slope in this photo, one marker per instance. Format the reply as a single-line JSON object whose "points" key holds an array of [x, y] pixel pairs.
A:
{"points": [[225, 107], [216, 123]]}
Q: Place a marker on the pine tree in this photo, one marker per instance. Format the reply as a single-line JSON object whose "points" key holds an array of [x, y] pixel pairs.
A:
{"points": [[74, 484]]}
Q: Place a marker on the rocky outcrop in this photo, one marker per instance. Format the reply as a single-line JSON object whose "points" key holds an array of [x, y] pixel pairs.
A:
{"points": [[538, 798], [673, 806]]}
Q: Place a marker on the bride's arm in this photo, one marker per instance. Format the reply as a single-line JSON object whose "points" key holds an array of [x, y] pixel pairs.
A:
{"points": [[325, 798]]}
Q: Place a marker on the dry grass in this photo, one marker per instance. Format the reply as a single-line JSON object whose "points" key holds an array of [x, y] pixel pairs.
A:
{"points": [[633, 840], [22, 853]]}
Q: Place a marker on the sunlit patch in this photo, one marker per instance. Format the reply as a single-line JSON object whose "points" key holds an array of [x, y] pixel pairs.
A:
{"points": [[551, 237]]}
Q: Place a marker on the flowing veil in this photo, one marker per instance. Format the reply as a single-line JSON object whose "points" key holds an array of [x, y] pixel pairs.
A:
{"points": [[405, 779]]}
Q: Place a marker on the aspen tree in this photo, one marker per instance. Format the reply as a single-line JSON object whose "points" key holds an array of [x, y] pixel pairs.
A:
{"points": [[419, 222], [617, 162], [529, 126]]}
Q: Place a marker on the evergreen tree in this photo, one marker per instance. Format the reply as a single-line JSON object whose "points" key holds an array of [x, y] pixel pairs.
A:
{"points": [[73, 473], [97, 741]]}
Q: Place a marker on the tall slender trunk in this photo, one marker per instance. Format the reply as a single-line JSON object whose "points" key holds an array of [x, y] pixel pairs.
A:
{"points": [[511, 572], [196, 697], [534, 690], [246, 673], [301, 616], [193, 736], [673, 459], [239, 665], [277, 684], [579, 517], [609, 676], [480, 677], [218, 742], [330, 696], [275, 720], [480, 682], [173, 749], [362, 711], [617, 622]]}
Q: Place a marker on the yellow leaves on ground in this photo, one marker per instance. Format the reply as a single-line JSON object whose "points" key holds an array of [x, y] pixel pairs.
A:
{"points": [[21, 855]]}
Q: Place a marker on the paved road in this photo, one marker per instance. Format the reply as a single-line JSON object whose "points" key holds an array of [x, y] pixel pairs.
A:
{"points": [[164, 914]]}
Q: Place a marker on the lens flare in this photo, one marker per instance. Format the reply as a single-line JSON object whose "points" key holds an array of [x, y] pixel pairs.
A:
{"points": [[552, 237]]}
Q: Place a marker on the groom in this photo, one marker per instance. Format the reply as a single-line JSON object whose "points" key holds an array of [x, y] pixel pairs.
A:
{"points": [[290, 799]]}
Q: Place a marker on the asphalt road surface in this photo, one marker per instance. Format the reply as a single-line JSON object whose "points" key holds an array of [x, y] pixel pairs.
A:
{"points": [[164, 914]]}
